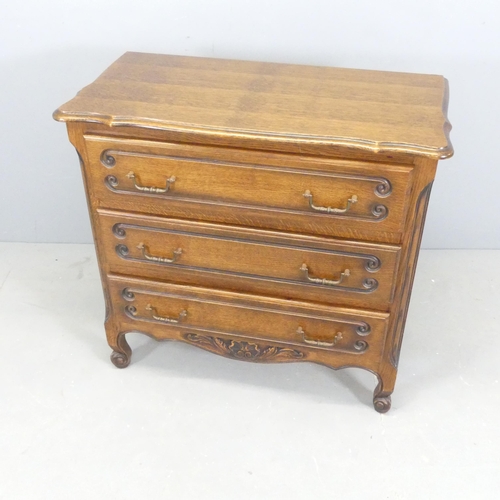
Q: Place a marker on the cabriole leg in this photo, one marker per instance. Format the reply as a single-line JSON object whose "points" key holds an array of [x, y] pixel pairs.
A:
{"points": [[122, 353], [382, 393]]}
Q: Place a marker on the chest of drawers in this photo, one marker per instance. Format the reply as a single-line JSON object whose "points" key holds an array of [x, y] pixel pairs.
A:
{"points": [[264, 212]]}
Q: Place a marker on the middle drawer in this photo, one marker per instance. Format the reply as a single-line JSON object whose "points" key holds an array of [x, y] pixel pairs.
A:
{"points": [[264, 262]]}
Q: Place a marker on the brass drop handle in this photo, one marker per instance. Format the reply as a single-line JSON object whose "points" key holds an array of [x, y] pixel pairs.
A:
{"points": [[151, 189], [164, 319], [329, 210], [323, 281], [338, 336], [154, 258]]}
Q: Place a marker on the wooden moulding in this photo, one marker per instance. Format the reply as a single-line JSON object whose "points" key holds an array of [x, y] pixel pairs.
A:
{"points": [[265, 105]]}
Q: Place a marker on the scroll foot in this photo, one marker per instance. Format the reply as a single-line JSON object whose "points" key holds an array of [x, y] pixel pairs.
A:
{"points": [[382, 404], [382, 397], [122, 353], [119, 359]]}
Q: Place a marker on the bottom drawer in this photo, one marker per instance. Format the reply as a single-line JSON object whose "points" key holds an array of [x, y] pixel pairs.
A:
{"points": [[195, 314]]}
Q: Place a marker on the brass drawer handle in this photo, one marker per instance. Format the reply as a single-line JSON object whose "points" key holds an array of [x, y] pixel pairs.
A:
{"points": [[329, 210], [154, 258], [164, 319], [323, 281], [151, 189], [338, 336]]}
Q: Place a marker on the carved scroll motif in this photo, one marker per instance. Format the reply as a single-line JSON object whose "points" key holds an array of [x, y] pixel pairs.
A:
{"points": [[245, 351]]}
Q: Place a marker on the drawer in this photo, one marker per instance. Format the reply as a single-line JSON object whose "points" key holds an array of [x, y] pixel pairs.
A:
{"points": [[192, 313], [263, 262], [285, 192]]}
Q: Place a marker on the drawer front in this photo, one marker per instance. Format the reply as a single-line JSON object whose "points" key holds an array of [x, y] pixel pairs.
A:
{"points": [[248, 188], [190, 311], [310, 268]]}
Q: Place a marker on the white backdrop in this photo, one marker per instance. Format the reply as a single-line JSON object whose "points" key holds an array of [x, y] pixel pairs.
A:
{"points": [[50, 49]]}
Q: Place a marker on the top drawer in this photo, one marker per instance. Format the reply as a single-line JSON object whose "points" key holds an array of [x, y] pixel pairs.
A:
{"points": [[284, 192]]}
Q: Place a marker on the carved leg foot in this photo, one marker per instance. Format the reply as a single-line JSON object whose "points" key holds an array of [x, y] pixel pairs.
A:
{"points": [[120, 359], [382, 403], [122, 353], [381, 398]]}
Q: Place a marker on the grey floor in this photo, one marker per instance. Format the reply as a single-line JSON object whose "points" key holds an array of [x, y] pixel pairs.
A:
{"points": [[181, 423]]}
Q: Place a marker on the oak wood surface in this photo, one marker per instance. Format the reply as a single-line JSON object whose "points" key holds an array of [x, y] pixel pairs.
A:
{"points": [[366, 110], [237, 207], [252, 260], [243, 187], [209, 310]]}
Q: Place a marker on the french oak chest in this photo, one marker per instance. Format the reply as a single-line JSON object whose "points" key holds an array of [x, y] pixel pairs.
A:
{"points": [[264, 212]]}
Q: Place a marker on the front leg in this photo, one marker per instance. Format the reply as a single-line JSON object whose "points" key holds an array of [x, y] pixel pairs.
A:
{"points": [[122, 353], [383, 391]]}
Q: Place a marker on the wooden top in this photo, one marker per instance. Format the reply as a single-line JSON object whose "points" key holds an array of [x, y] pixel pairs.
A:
{"points": [[368, 110]]}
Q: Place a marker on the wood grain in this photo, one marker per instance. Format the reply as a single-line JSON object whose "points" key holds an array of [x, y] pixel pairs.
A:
{"points": [[366, 110], [144, 304], [246, 188], [253, 261], [245, 141]]}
